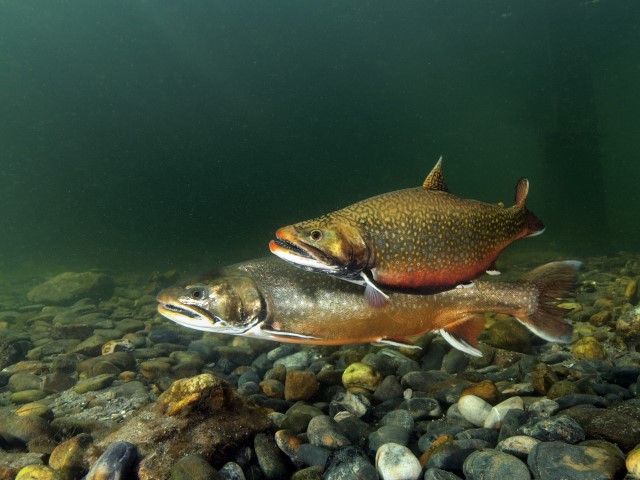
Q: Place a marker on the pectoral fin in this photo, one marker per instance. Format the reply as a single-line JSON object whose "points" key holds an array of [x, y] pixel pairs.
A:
{"points": [[375, 297], [464, 334]]}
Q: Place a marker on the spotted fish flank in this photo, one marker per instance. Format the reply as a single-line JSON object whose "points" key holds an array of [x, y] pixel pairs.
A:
{"points": [[269, 299], [419, 238]]}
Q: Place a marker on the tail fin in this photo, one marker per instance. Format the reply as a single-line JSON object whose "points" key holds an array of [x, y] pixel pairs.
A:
{"points": [[534, 224], [554, 281]]}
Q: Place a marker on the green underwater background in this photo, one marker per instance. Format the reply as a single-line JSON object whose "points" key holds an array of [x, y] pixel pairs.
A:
{"points": [[145, 135]]}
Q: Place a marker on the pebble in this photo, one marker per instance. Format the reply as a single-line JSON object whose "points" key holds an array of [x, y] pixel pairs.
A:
{"points": [[289, 443], [562, 428], [422, 408], [388, 389], [438, 474], [194, 467], [474, 409], [69, 458], [269, 457], [588, 348], [553, 460], [117, 462], [396, 462], [607, 424], [498, 412], [231, 471], [349, 463], [519, 446], [633, 462], [495, 465], [298, 360], [387, 434], [37, 472], [360, 376], [185, 396], [326, 432], [94, 383], [451, 454]]}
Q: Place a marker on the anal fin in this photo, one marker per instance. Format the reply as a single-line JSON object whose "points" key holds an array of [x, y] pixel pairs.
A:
{"points": [[397, 342], [464, 334], [375, 297], [493, 270]]}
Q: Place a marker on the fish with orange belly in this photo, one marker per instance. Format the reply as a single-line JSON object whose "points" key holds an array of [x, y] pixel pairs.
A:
{"points": [[270, 299], [419, 238]]}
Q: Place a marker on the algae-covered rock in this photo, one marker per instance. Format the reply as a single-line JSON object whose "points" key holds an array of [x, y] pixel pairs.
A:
{"points": [[69, 458], [588, 348], [37, 472], [213, 425], [359, 375], [68, 287], [300, 385], [199, 393], [509, 334]]}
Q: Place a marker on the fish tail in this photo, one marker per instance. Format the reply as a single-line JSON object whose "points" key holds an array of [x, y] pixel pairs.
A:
{"points": [[534, 225], [554, 281]]}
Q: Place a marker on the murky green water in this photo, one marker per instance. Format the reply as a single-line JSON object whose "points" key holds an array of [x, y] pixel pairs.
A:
{"points": [[151, 135]]}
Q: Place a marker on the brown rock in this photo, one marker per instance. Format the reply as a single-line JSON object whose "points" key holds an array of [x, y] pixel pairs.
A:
{"points": [[486, 390], [543, 378], [272, 388], [601, 318], [561, 388], [607, 424], [300, 385], [204, 392], [202, 428], [70, 458]]}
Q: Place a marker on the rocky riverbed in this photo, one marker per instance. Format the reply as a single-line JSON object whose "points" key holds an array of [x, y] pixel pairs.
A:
{"points": [[95, 384]]}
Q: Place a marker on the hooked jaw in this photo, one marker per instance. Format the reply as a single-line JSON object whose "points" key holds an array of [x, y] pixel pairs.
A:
{"points": [[186, 315], [291, 249]]}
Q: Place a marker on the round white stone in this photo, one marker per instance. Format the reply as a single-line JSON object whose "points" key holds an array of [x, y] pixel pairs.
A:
{"points": [[497, 413], [397, 462], [474, 409]]}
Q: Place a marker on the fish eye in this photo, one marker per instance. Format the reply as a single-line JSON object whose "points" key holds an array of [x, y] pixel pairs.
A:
{"points": [[315, 235], [197, 293]]}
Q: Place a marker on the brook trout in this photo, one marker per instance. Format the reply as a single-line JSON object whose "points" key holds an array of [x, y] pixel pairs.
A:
{"points": [[270, 299], [418, 238]]}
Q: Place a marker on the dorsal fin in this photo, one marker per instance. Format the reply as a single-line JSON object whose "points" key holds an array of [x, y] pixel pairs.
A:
{"points": [[522, 190], [435, 179]]}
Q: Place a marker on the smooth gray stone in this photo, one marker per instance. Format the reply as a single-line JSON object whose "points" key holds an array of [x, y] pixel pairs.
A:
{"points": [[561, 428], [553, 460], [495, 465], [270, 458], [349, 463], [118, 462]]}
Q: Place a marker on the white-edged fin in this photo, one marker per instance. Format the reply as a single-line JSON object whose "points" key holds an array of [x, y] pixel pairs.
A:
{"points": [[276, 333], [396, 343], [303, 262], [375, 297], [565, 337], [493, 272], [466, 285], [539, 232], [459, 343]]}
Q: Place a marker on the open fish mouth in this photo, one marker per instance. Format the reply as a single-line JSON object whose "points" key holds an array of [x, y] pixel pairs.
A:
{"points": [[301, 254]]}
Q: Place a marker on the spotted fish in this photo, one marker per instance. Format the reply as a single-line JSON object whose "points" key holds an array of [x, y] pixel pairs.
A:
{"points": [[421, 238], [270, 299]]}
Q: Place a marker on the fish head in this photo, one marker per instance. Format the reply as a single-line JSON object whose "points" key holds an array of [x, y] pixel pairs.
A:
{"points": [[330, 247], [219, 303]]}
